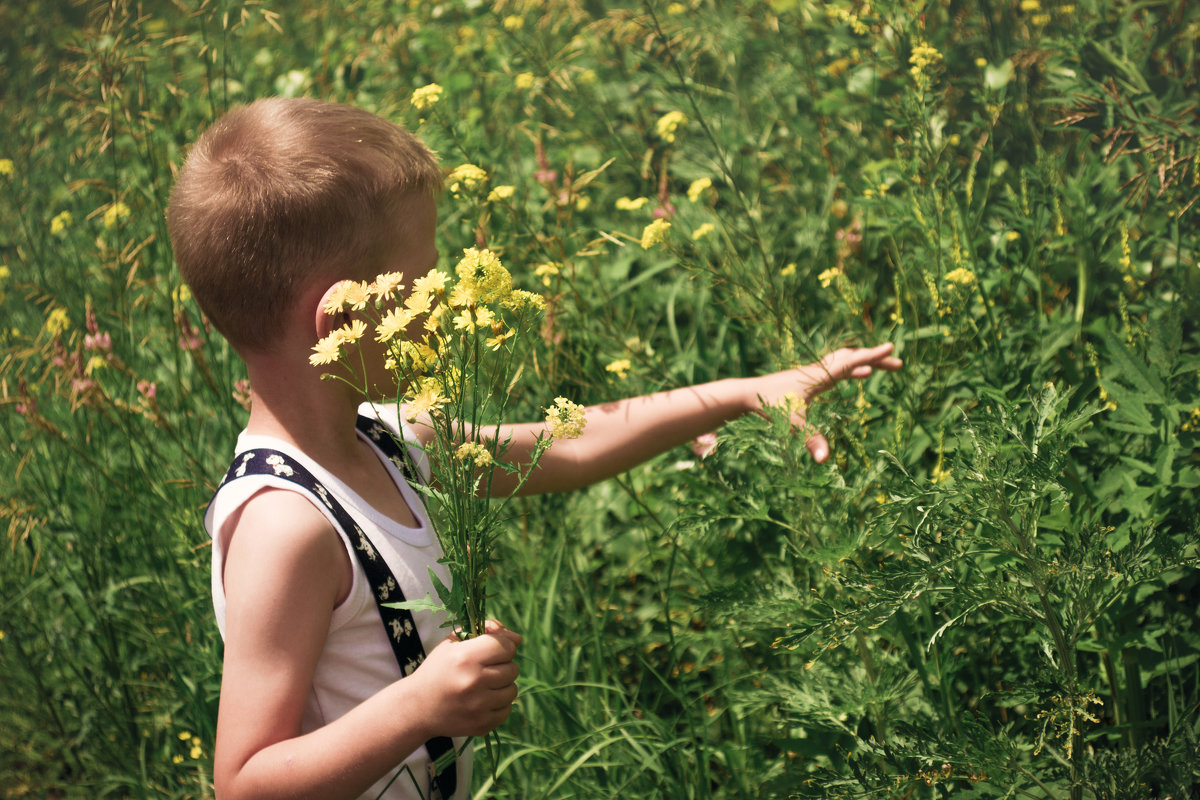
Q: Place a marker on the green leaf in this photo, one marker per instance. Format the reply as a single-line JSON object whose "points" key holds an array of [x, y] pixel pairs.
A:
{"points": [[426, 603]]}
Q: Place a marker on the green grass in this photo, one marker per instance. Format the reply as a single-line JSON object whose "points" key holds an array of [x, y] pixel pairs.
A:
{"points": [[991, 589]]}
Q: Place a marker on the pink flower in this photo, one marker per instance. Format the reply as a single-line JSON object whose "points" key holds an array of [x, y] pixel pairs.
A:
{"points": [[147, 389], [704, 444]]}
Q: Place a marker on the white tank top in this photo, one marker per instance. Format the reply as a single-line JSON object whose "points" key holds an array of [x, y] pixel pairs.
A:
{"points": [[357, 660]]}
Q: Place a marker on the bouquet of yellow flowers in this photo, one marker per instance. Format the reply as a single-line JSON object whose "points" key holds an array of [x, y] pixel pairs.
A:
{"points": [[456, 374]]}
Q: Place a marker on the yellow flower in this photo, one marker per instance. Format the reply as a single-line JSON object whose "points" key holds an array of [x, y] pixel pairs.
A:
{"points": [[495, 342], [60, 222], [620, 367], [565, 420], [675, 9], [1031, 5], [513, 23], [386, 284], [655, 233], [961, 276], [1012, 236], [474, 451], [481, 273], [115, 213], [351, 332], [196, 751], [829, 276], [326, 351], [419, 302], [358, 295], [185, 735], [702, 231], [348, 294], [924, 59], [669, 123], [176, 759], [524, 80], [6, 167], [484, 318], [431, 283], [427, 399], [57, 321], [698, 188], [426, 97], [520, 298], [394, 322], [981, 62], [627, 204], [790, 269], [465, 321], [546, 270], [500, 193], [465, 177]]}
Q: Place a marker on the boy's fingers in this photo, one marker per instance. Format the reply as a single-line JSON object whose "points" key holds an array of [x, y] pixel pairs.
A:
{"points": [[818, 447], [496, 627]]}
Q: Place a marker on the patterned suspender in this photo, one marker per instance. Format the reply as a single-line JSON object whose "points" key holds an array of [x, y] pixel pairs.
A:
{"points": [[402, 632]]}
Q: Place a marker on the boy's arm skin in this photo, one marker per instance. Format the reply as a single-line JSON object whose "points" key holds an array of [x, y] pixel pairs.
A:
{"points": [[625, 433], [280, 594]]}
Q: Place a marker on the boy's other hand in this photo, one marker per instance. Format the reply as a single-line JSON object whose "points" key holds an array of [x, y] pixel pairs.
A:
{"points": [[471, 684], [810, 380]]}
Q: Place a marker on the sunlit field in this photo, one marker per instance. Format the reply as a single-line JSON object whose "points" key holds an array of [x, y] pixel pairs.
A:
{"points": [[990, 588]]}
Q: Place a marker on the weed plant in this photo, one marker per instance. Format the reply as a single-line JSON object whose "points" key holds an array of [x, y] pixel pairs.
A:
{"points": [[989, 590]]}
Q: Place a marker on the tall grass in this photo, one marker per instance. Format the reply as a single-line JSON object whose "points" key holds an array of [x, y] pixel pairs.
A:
{"points": [[991, 588]]}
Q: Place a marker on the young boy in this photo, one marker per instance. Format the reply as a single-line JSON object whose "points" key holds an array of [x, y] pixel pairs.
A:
{"points": [[279, 203]]}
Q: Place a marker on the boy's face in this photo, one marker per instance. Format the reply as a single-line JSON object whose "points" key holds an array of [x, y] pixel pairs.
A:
{"points": [[411, 249]]}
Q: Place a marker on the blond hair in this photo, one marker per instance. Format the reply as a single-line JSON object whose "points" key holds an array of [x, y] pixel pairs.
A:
{"points": [[283, 192]]}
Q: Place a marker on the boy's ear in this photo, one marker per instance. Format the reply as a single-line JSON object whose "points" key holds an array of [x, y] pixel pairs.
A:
{"points": [[324, 323]]}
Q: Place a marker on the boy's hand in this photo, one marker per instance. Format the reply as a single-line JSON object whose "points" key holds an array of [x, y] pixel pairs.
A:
{"points": [[812, 379], [470, 685]]}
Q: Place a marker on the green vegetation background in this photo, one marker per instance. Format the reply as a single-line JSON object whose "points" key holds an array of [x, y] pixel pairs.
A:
{"points": [[990, 590]]}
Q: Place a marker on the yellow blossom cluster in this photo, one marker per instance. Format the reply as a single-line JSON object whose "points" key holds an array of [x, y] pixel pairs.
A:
{"points": [[655, 233], [500, 193], [961, 276], [426, 97], [115, 214], [697, 189], [60, 222], [631, 204], [564, 419], [465, 177], [668, 124], [620, 367], [701, 231], [829, 276], [6, 167], [57, 321], [547, 270], [924, 60], [474, 451]]}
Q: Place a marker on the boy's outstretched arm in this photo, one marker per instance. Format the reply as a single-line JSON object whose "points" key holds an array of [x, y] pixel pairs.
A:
{"points": [[280, 593], [625, 433]]}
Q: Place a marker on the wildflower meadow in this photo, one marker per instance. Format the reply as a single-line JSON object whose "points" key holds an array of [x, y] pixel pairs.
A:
{"points": [[990, 589]]}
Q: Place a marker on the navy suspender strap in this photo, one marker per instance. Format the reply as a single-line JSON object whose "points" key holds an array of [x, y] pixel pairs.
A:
{"points": [[401, 630]]}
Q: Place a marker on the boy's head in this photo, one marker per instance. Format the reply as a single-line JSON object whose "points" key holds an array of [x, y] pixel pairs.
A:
{"points": [[283, 193]]}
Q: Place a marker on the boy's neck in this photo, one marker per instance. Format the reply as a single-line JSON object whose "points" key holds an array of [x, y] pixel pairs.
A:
{"points": [[291, 403]]}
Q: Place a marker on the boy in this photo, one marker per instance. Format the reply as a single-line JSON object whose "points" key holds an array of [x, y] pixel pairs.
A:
{"points": [[277, 205]]}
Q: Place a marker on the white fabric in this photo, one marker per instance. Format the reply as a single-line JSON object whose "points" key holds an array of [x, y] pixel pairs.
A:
{"points": [[357, 660]]}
